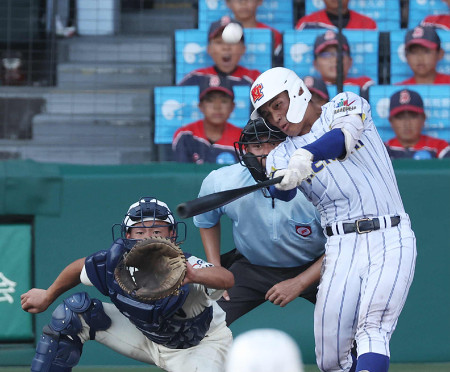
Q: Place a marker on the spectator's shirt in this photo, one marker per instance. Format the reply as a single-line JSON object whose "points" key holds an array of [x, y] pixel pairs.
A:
{"points": [[320, 19], [363, 81], [441, 21], [240, 76], [190, 145], [277, 38], [439, 79], [435, 147]]}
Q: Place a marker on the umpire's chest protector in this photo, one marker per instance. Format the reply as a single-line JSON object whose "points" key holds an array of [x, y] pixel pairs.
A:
{"points": [[155, 319]]}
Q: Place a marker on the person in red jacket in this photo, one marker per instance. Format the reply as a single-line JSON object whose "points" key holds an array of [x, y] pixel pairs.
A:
{"points": [[407, 118], [226, 57], [328, 18], [441, 21], [245, 12], [211, 139], [325, 60], [423, 52]]}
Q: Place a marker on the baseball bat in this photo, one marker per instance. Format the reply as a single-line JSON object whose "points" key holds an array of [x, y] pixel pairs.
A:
{"points": [[212, 201]]}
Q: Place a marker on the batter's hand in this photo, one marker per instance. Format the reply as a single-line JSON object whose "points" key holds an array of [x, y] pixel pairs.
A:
{"points": [[284, 292], [301, 160], [35, 300], [291, 179]]}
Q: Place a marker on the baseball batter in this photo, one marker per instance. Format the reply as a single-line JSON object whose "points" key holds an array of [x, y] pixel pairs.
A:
{"points": [[338, 160], [182, 332]]}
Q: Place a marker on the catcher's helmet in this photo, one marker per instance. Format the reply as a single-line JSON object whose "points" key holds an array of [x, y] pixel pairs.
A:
{"points": [[150, 209], [264, 350], [273, 82], [256, 131]]}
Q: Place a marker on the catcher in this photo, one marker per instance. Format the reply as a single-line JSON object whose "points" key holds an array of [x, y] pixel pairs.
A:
{"points": [[162, 301]]}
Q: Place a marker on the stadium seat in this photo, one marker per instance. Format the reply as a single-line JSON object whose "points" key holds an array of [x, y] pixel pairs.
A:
{"points": [[178, 106], [191, 50], [385, 13], [419, 9], [298, 52], [399, 67], [276, 13], [436, 99]]}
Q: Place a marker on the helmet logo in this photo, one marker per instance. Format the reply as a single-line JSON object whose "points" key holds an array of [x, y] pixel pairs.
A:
{"points": [[257, 93]]}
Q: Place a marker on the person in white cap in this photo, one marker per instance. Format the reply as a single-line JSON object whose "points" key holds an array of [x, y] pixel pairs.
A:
{"points": [[336, 157], [175, 332], [264, 350]]}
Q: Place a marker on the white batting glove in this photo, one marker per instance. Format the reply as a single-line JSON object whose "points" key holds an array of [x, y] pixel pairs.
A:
{"points": [[301, 160], [291, 179]]}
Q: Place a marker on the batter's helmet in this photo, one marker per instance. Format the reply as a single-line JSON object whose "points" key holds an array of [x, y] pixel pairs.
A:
{"points": [[273, 82], [150, 209], [264, 350], [256, 131]]}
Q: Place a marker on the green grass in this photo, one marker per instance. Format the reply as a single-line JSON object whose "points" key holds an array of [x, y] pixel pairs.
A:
{"points": [[429, 367]]}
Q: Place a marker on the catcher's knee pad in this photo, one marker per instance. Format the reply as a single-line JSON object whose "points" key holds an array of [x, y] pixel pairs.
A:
{"points": [[59, 348]]}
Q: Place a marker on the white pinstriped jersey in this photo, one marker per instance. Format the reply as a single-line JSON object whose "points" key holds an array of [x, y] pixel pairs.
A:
{"points": [[363, 185]]}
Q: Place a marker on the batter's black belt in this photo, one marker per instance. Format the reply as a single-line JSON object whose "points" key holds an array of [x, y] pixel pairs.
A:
{"points": [[362, 226]]}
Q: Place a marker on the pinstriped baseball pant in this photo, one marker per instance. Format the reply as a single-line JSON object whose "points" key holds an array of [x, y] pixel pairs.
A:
{"points": [[364, 284]]}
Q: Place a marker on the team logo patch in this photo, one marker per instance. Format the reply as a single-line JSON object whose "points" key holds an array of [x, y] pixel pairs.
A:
{"points": [[257, 92], [303, 230], [404, 97], [418, 32]]}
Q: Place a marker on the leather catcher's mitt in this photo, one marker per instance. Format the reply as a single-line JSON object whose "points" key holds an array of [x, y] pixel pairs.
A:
{"points": [[153, 269]]}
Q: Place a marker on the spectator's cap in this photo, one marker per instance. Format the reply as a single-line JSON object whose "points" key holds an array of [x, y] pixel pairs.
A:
{"points": [[425, 36], [405, 100], [318, 86], [330, 38], [215, 83], [217, 27]]}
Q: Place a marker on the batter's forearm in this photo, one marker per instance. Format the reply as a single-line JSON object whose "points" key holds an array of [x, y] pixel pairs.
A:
{"points": [[211, 243], [69, 278]]}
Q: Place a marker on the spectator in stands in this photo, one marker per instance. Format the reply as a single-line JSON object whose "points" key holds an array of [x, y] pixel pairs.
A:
{"points": [[407, 118], [318, 89], [211, 139], [226, 59], [423, 52], [245, 13], [441, 21], [326, 57], [328, 18]]}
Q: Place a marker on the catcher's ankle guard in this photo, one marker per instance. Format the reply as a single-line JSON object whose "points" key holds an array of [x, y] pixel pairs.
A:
{"points": [[59, 348]]}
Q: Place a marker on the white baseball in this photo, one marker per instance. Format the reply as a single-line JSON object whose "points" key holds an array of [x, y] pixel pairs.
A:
{"points": [[232, 33]]}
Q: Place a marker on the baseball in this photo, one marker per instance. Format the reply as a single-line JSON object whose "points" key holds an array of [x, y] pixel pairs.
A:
{"points": [[232, 33]]}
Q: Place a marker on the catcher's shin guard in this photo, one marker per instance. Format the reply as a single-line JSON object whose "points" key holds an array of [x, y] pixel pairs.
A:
{"points": [[59, 348]]}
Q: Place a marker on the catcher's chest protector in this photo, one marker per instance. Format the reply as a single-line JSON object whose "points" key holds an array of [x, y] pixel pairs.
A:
{"points": [[155, 320]]}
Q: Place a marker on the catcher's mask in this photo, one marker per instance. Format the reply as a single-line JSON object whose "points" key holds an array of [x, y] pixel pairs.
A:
{"points": [[256, 131], [154, 210]]}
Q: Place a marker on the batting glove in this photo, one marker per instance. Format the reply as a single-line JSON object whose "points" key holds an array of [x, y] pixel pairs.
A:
{"points": [[301, 161], [291, 179]]}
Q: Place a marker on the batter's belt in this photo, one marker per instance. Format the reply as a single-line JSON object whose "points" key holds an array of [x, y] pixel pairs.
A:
{"points": [[362, 226]]}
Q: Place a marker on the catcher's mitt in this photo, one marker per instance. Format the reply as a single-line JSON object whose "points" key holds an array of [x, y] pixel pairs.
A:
{"points": [[153, 269]]}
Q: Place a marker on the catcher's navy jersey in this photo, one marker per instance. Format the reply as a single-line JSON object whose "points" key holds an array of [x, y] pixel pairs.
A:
{"points": [[159, 320], [363, 185], [266, 232]]}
